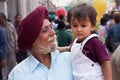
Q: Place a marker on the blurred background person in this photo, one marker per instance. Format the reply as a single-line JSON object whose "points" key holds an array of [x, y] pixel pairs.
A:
{"points": [[20, 55], [64, 38], [3, 51], [102, 29], [113, 37], [11, 36], [18, 19], [116, 64]]}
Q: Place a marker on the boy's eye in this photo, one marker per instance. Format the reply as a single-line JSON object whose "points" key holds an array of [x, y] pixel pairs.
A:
{"points": [[84, 26], [74, 25]]}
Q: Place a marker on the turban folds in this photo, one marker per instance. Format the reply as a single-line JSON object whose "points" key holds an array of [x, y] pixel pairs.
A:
{"points": [[30, 27]]}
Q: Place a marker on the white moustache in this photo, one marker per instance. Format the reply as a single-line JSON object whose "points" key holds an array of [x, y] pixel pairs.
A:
{"points": [[53, 38]]}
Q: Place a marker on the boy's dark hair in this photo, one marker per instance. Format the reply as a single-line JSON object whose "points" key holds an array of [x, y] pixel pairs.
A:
{"points": [[3, 16], [82, 11]]}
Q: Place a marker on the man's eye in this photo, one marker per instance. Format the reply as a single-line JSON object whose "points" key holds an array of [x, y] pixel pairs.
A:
{"points": [[44, 30]]}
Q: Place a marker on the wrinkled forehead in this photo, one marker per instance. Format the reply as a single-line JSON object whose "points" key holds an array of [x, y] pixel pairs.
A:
{"points": [[46, 22]]}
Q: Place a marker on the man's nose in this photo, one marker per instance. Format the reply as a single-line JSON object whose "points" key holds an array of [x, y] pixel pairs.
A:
{"points": [[52, 32]]}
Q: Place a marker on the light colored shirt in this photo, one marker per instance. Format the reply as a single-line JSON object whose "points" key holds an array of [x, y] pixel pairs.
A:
{"points": [[32, 69]]}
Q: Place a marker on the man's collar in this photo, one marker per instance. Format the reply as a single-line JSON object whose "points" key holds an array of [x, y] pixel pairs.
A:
{"points": [[34, 62]]}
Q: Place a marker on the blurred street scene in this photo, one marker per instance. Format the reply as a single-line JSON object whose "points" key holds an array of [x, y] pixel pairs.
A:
{"points": [[12, 12], [12, 7]]}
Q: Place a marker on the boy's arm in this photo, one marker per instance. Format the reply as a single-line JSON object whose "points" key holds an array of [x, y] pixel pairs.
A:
{"points": [[107, 72], [63, 49]]}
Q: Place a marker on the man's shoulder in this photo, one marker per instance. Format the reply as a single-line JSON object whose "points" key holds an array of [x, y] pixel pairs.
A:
{"points": [[65, 57], [61, 55], [21, 66], [18, 71]]}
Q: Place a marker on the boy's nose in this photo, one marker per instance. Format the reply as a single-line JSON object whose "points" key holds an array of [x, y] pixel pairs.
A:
{"points": [[79, 29]]}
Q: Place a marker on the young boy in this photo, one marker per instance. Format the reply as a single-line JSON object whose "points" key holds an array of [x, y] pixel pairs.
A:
{"points": [[90, 59]]}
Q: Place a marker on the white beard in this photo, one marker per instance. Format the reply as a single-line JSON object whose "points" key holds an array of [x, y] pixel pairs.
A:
{"points": [[46, 50], [41, 49]]}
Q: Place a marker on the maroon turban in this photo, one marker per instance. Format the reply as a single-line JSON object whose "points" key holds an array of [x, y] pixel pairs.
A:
{"points": [[30, 27]]}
